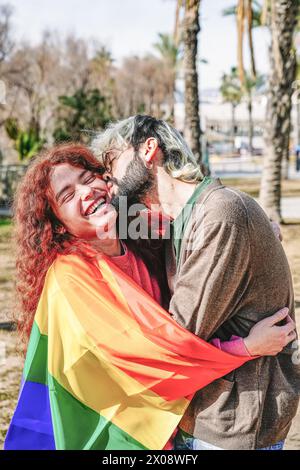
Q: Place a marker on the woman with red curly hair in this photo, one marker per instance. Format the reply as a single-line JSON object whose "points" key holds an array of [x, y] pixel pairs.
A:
{"points": [[106, 366]]}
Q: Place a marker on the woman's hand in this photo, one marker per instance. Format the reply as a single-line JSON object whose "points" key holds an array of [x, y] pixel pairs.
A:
{"points": [[268, 339]]}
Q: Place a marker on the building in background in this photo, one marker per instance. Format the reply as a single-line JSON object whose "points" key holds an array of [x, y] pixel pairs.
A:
{"points": [[216, 123]]}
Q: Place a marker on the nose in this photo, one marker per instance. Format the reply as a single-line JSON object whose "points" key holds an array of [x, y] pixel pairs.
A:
{"points": [[86, 193]]}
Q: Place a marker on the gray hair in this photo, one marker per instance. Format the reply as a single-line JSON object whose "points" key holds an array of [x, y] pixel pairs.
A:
{"points": [[179, 161]]}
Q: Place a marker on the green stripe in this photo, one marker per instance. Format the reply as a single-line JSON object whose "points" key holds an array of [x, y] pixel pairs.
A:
{"points": [[35, 368], [76, 426]]}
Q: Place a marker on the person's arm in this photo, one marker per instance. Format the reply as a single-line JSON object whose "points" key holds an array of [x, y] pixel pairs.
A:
{"points": [[213, 278], [235, 346], [261, 340], [265, 338], [212, 281]]}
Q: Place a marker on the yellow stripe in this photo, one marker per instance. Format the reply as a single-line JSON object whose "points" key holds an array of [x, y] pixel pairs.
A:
{"points": [[74, 357]]}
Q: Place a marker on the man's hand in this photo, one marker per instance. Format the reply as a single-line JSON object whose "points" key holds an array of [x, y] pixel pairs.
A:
{"points": [[268, 339]]}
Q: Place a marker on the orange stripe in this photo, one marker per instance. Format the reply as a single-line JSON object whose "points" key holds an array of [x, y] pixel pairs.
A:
{"points": [[158, 326], [164, 352]]}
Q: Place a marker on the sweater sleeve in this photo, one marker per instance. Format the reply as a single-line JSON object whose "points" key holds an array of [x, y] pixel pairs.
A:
{"points": [[212, 279], [235, 346]]}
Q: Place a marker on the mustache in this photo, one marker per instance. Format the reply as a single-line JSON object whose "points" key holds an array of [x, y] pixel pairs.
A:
{"points": [[113, 180], [130, 194]]}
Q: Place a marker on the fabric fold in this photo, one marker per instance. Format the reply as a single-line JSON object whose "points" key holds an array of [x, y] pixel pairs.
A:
{"points": [[106, 366]]}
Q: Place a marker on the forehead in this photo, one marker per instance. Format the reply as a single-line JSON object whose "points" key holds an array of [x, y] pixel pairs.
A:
{"points": [[64, 174]]}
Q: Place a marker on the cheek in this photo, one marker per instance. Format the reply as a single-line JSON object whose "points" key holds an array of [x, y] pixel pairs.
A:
{"points": [[99, 183], [121, 166], [67, 213]]}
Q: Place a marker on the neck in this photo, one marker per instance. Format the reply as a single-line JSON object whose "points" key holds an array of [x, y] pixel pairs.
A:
{"points": [[173, 194], [109, 246]]}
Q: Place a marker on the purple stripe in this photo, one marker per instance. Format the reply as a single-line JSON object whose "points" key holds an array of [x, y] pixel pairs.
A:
{"points": [[31, 425]]}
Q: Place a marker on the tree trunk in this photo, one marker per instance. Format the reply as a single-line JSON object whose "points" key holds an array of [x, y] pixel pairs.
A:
{"points": [[233, 106], [286, 156], [298, 118], [250, 37], [240, 31], [282, 76], [191, 29], [250, 124], [172, 101]]}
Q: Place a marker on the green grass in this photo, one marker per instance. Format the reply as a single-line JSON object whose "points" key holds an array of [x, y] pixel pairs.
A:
{"points": [[3, 432], [290, 188], [5, 230], [5, 222], [7, 395], [6, 278]]}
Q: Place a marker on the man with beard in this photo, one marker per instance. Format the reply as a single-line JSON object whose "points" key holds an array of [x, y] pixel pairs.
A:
{"points": [[224, 263]]}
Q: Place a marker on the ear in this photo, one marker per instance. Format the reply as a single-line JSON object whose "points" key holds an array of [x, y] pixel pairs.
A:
{"points": [[149, 149]]}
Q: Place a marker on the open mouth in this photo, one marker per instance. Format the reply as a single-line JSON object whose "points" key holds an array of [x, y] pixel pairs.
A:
{"points": [[95, 206]]}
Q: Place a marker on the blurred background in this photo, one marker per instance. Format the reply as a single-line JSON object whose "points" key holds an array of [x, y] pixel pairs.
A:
{"points": [[225, 73]]}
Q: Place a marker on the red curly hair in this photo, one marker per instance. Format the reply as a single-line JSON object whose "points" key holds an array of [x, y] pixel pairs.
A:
{"points": [[38, 235]]}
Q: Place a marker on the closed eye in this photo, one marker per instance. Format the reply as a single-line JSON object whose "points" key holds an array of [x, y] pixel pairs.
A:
{"points": [[90, 179], [68, 197]]}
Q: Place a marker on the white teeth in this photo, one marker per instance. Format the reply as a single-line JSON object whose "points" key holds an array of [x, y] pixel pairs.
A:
{"points": [[94, 207]]}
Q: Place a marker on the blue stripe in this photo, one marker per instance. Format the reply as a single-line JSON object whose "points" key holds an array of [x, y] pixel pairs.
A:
{"points": [[31, 425]]}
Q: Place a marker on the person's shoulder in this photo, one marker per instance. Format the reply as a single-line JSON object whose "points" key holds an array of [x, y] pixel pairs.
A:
{"points": [[232, 197], [67, 261], [72, 266], [224, 204]]}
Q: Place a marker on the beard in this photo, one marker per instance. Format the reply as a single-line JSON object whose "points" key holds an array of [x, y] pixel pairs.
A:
{"points": [[135, 185]]}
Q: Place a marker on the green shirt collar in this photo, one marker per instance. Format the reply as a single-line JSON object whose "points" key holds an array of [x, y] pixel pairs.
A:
{"points": [[180, 223]]}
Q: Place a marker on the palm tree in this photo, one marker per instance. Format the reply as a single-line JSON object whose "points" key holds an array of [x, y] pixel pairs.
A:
{"points": [[190, 28], [297, 93], [283, 18], [247, 12], [259, 16], [232, 93], [297, 87], [169, 52], [250, 85], [256, 13], [167, 48]]}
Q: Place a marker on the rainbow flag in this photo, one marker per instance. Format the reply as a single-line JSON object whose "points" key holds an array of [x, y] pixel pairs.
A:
{"points": [[106, 366]]}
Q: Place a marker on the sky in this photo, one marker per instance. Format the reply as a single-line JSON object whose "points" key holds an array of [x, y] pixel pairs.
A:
{"points": [[131, 27]]}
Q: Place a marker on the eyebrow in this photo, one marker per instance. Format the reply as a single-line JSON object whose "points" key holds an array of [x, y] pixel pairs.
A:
{"points": [[60, 193]]}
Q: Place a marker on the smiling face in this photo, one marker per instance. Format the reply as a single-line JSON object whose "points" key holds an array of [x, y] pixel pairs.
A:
{"points": [[81, 201]]}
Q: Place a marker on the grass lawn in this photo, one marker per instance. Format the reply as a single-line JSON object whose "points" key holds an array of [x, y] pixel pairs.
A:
{"points": [[251, 186]]}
